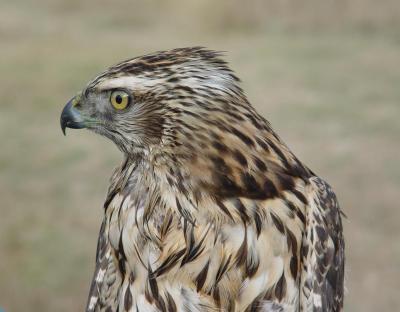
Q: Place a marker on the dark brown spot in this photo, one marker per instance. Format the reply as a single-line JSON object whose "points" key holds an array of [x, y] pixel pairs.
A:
{"points": [[240, 158], [321, 232], [260, 164], [300, 196], [255, 306], [301, 216], [222, 269], [171, 303], [262, 144], [252, 267], [294, 266], [234, 115], [169, 262], [253, 120], [217, 297], [214, 135], [298, 170], [147, 295], [188, 112], [241, 255], [131, 278], [290, 205], [173, 79], [280, 288], [269, 294], [184, 212], [220, 165], [185, 88], [153, 285], [270, 189], [224, 209], [241, 209], [226, 187], [219, 146], [193, 250], [280, 154], [201, 278], [166, 225], [245, 139], [121, 266], [170, 181], [232, 306], [290, 214], [128, 299], [258, 223], [253, 190], [121, 251], [286, 182], [110, 197], [291, 241], [160, 304], [317, 217], [278, 223], [304, 251]]}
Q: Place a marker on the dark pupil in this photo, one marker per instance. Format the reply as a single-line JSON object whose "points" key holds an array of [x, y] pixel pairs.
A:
{"points": [[118, 99]]}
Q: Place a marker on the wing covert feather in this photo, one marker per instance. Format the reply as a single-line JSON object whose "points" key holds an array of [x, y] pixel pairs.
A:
{"points": [[322, 253], [105, 274]]}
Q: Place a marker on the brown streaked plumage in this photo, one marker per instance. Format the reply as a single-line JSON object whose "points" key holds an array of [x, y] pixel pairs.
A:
{"points": [[210, 210]]}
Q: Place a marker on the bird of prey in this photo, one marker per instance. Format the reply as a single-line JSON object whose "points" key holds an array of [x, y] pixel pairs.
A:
{"points": [[209, 210]]}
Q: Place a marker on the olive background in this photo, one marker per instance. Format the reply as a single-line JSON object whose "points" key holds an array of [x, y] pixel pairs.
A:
{"points": [[326, 74]]}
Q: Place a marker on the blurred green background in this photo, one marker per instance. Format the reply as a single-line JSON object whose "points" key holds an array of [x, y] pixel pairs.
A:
{"points": [[325, 73]]}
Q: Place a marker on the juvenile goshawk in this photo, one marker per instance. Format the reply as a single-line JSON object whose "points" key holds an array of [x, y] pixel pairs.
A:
{"points": [[209, 210]]}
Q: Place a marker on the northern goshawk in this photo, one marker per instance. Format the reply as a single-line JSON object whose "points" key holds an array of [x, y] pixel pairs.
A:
{"points": [[209, 210]]}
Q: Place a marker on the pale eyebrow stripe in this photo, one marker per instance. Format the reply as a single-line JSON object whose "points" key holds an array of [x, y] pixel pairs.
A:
{"points": [[128, 82]]}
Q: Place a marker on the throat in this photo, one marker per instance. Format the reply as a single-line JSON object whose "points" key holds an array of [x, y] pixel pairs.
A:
{"points": [[132, 200]]}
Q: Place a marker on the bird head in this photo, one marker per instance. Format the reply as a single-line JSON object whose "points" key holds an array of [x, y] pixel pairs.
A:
{"points": [[141, 104], [184, 112]]}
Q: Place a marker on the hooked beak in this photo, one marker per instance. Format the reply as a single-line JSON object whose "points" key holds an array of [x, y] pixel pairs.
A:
{"points": [[70, 117]]}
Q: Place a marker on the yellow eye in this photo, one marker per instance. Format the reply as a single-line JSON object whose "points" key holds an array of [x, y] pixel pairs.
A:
{"points": [[119, 99]]}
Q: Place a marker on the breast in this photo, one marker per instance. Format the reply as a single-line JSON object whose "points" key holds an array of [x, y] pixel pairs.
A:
{"points": [[228, 257], [234, 263]]}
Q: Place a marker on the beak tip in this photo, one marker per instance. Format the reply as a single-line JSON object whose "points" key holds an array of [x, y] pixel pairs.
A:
{"points": [[71, 118], [63, 124]]}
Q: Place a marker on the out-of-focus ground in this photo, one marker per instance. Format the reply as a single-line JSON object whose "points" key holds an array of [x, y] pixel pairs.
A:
{"points": [[325, 73]]}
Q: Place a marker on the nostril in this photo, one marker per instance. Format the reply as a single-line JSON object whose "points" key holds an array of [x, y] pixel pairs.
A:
{"points": [[78, 105]]}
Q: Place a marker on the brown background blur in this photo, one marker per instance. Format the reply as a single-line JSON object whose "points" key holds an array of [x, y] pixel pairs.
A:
{"points": [[326, 73]]}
